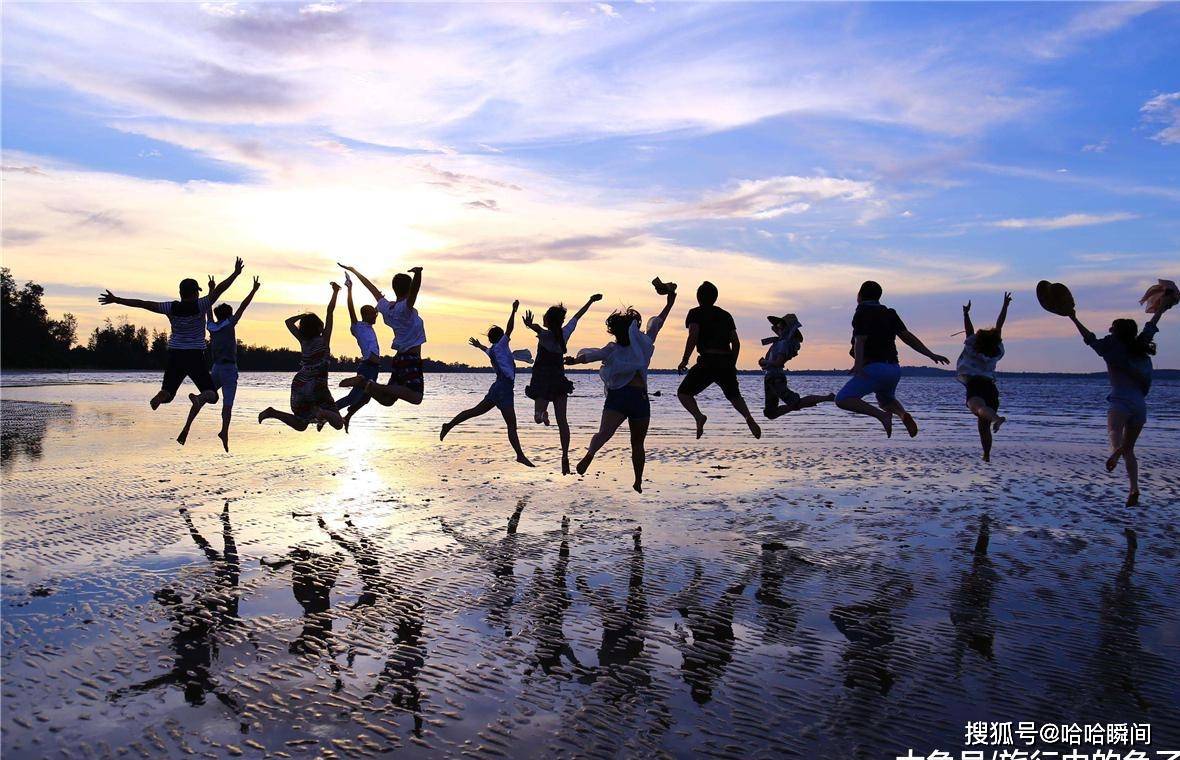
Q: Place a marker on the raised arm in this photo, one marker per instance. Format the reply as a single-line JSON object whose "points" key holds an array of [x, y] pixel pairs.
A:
{"points": [[328, 316], [654, 330], [377, 294], [109, 298], [592, 300], [970, 328], [247, 300], [528, 322], [1155, 319], [224, 285], [474, 343], [290, 323], [511, 320], [415, 286], [1003, 312], [351, 308], [1087, 336], [912, 341]]}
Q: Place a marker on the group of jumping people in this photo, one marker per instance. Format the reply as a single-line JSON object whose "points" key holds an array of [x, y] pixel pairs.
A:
{"points": [[624, 364]]}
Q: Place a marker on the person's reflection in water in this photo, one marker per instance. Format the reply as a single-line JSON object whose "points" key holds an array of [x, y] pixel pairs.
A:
{"points": [[501, 556], [552, 599], [197, 622], [382, 604], [971, 601], [1120, 656], [622, 628], [780, 615], [313, 576], [711, 650], [868, 626]]}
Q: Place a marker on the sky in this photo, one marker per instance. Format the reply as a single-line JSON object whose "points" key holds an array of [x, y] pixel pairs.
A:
{"points": [[785, 152]]}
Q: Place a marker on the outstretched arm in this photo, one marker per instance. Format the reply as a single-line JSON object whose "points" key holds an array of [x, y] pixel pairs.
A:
{"points": [[109, 298], [224, 285], [912, 341], [967, 320], [415, 286], [377, 294], [529, 323], [1087, 336], [511, 320], [662, 316], [592, 300], [246, 301], [1003, 312], [328, 316], [1155, 320], [351, 308], [474, 343]]}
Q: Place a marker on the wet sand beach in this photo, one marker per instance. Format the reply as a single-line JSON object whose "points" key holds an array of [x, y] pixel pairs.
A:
{"points": [[822, 592]]}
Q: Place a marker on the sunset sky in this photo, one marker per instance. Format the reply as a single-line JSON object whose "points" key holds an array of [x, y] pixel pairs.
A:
{"points": [[545, 152]]}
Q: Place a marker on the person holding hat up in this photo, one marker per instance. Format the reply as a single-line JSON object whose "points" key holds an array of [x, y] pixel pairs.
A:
{"points": [[784, 346], [186, 342]]}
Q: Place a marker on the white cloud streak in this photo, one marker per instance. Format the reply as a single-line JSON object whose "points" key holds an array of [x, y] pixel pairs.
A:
{"points": [[1064, 222]]}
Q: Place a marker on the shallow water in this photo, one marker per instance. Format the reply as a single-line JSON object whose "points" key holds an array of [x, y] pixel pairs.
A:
{"points": [[422, 616]]}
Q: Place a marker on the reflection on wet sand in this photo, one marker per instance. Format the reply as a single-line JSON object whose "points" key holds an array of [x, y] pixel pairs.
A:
{"points": [[1120, 656], [780, 615], [622, 626], [869, 628], [26, 424], [551, 597], [711, 648], [197, 623], [500, 556], [971, 601]]}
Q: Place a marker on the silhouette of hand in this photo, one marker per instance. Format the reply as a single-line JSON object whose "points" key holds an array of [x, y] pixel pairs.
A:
{"points": [[966, 307], [940, 359], [1007, 297], [107, 298], [239, 265], [212, 283], [475, 342], [570, 360], [595, 298], [515, 305], [345, 267], [257, 282], [335, 286], [528, 317], [683, 366]]}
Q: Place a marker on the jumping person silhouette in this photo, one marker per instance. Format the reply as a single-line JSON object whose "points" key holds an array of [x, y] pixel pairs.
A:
{"points": [[409, 333], [713, 335], [976, 369], [311, 401], [548, 383], [370, 363], [875, 330], [186, 342]]}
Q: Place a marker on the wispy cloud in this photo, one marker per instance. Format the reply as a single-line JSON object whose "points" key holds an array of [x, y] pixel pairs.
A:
{"points": [[1164, 109], [1088, 24], [1063, 222], [775, 196]]}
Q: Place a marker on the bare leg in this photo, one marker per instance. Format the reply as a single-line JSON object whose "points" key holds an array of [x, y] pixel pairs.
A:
{"points": [[1132, 461], [895, 407], [270, 413], [610, 423], [514, 439], [227, 411], [860, 406], [353, 410], [638, 452], [563, 431], [385, 395], [690, 404], [1116, 425], [739, 404], [163, 397], [483, 407], [540, 406], [330, 416], [985, 438], [198, 402]]}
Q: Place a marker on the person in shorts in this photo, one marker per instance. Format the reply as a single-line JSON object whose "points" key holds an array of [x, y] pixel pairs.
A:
{"points": [[369, 365], [311, 401], [784, 346], [409, 333], [1127, 353], [976, 370], [501, 394], [186, 340], [625, 363], [875, 368], [713, 335]]}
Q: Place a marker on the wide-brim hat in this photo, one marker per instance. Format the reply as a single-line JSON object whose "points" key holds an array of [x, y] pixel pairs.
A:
{"points": [[786, 319], [1055, 298]]}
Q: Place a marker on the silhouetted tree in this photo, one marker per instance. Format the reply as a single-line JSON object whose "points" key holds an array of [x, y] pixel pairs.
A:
{"points": [[29, 337]]}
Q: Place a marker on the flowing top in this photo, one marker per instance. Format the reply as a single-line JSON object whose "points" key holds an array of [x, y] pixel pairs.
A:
{"points": [[1127, 373], [620, 364], [504, 358], [408, 330], [972, 363]]}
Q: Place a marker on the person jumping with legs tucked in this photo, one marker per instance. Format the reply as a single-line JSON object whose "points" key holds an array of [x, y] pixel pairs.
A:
{"points": [[976, 369], [500, 395], [784, 347], [370, 364], [186, 342], [223, 346], [875, 330], [311, 401], [1128, 355], [548, 383], [624, 374], [713, 335], [409, 333]]}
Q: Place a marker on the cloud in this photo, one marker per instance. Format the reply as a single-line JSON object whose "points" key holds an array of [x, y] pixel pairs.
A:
{"points": [[775, 196], [1063, 222], [13, 236], [23, 169], [1098, 147], [1088, 24], [487, 203], [1164, 109]]}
